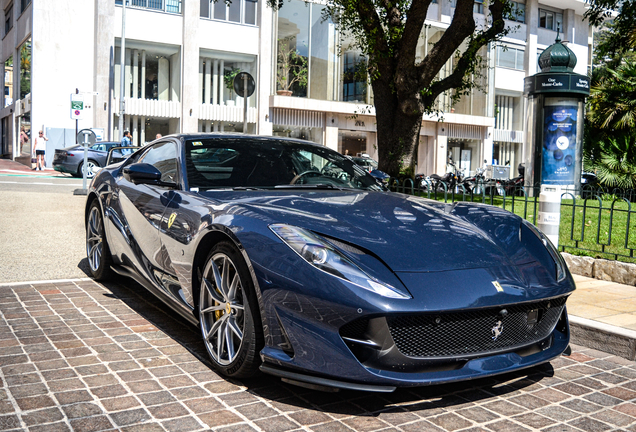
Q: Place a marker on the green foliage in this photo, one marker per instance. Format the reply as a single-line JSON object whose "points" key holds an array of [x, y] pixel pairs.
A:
{"points": [[228, 78], [620, 33], [291, 67], [615, 162], [612, 100]]}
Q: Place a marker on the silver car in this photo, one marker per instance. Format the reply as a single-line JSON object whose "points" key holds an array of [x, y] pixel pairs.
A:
{"points": [[71, 159]]}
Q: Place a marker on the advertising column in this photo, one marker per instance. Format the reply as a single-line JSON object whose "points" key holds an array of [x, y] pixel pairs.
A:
{"points": [[561, 142]]}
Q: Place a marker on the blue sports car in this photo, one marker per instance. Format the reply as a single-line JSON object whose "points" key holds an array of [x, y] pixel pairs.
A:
{"points": [[292, 260]]}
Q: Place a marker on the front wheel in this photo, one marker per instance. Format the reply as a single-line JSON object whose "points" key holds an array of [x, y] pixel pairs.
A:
{"points": [[228, 313], [97, 251]]}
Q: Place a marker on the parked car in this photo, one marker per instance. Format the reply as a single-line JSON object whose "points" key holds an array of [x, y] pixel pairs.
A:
{"points": [[71, 159], [371, 166], [295, 262]]}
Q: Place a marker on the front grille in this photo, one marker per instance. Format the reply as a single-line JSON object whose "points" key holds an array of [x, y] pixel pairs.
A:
{"points": [[472, 332]]}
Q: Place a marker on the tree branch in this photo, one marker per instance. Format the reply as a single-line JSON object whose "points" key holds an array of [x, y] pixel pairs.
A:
{"points": [[412, 30], [467, 59], [462, 26]]}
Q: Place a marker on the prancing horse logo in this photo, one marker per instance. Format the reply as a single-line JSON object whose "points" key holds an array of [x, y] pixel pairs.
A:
{"points": [[497, 330]]}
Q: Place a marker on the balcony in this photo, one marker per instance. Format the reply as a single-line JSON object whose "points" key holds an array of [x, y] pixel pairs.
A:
{"points": [[151, 107]]}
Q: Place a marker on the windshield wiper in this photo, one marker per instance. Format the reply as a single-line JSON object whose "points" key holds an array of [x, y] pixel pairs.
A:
{"points": [[239, 188]]}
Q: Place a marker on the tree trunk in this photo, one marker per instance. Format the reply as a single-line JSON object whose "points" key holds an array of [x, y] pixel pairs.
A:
{"points": [[397, 131]]}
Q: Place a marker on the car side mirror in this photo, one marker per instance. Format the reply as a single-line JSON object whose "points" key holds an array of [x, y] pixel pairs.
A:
{"points": [[143, 173]]}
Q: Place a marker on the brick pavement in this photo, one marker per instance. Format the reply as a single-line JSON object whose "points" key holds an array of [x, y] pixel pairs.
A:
{"points": [[78, 355]]}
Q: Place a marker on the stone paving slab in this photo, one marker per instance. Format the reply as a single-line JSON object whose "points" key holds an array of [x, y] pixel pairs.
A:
{"points": [[82, 356]]}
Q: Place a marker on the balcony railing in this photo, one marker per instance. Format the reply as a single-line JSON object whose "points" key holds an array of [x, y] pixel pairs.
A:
{"points": [[151, 107], [170, 6], [226, 113]]}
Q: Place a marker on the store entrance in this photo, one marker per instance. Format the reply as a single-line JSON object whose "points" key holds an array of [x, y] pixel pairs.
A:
{"points": [[352, 143]]}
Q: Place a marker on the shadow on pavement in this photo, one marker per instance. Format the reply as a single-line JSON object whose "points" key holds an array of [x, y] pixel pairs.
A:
{"points": [[434, 397]]}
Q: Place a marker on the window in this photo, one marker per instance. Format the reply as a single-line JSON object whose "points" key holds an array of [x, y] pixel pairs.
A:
{"points": [[550, 20], [518, 12], [163, 156], [8, 19], [510, 57], [24, 4], [239, 11], [478, 6]]}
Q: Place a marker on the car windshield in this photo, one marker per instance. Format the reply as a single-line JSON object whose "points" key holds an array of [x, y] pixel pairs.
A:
{"points": [[252, 163], [366, 162]]}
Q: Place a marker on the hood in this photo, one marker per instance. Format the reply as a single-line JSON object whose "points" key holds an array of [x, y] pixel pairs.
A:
{"points": [[409, 234]]}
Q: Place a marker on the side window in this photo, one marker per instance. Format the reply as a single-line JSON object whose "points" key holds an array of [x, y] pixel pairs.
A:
{"points": [[163, 156]]}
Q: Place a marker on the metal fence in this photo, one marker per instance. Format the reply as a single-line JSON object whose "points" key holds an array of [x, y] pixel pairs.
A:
{"points": [[595, 221]]}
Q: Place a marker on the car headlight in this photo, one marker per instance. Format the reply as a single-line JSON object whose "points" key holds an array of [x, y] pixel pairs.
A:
{"points": [[554, 253], [323, 256]]}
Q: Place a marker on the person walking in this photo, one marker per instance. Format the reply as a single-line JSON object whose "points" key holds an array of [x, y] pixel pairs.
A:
{"points": [[126, 142], [40, 150]]}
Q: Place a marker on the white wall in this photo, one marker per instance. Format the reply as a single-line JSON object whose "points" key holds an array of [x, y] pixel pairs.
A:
{"points": [[62, 60]]}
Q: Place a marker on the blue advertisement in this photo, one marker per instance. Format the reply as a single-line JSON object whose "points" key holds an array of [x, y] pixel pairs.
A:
{"points": [[559, 145]]}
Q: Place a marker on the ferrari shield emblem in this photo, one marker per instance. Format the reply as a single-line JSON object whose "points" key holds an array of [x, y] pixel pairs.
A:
{"points": [[497, 286], [173, 216]]}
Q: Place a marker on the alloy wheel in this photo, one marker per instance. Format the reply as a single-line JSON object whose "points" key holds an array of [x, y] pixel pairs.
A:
{"points": [[94, 239], [221, 309]]}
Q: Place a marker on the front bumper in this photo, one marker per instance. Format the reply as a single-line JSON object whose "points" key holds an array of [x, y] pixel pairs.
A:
{"points": [[376, 364]]}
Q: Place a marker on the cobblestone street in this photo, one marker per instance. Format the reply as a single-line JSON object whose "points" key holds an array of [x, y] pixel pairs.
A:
{"points": [[78, 355]]}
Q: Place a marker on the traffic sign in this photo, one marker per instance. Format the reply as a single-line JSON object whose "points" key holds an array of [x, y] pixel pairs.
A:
{"points": [[77, 106], [239, 84], [86, 137]]}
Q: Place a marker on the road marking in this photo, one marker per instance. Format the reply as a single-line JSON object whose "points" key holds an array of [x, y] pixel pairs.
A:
{"points": [[41, 183]]}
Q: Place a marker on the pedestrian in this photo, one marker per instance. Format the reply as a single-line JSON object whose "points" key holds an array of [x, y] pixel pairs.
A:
{"points": [[24, 138], [126, 142], [40, 150], [158, 136]]}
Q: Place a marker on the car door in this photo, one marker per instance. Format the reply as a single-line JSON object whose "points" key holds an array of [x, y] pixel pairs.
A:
{"points": [[143, 207]]}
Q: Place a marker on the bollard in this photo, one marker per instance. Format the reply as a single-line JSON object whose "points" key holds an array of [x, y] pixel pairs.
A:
{"points": [[549, 214]]}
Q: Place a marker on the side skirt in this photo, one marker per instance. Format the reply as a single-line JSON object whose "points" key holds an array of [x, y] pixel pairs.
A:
{"points": [[159, 293]]}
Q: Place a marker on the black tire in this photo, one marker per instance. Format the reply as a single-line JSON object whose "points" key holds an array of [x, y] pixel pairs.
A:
{"points": [[229, 314], [97, 250]]}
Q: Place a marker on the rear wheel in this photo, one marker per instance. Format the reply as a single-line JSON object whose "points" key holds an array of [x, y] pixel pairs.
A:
{"points": [[97, 251], [228, 313], [90, 164]]}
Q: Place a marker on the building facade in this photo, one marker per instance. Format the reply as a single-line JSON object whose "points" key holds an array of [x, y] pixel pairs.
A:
{"points": [[180, 57]]}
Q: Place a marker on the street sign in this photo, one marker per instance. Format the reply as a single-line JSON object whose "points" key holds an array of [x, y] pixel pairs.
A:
{"points": [[77, 106], [239, 84], [86, 137]]}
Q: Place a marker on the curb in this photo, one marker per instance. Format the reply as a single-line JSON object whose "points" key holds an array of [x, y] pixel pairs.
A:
{"points": [[603, 337]]}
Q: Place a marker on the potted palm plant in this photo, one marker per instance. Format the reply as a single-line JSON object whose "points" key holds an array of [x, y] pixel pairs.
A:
{"points": [[291, 68]]}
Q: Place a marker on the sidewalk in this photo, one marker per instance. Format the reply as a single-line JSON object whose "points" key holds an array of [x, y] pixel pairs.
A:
{"points": [[8, 166], [603, 316]]}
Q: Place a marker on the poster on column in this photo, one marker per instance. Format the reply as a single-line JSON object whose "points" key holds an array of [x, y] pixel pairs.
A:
{"points": [[559, 145]]}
